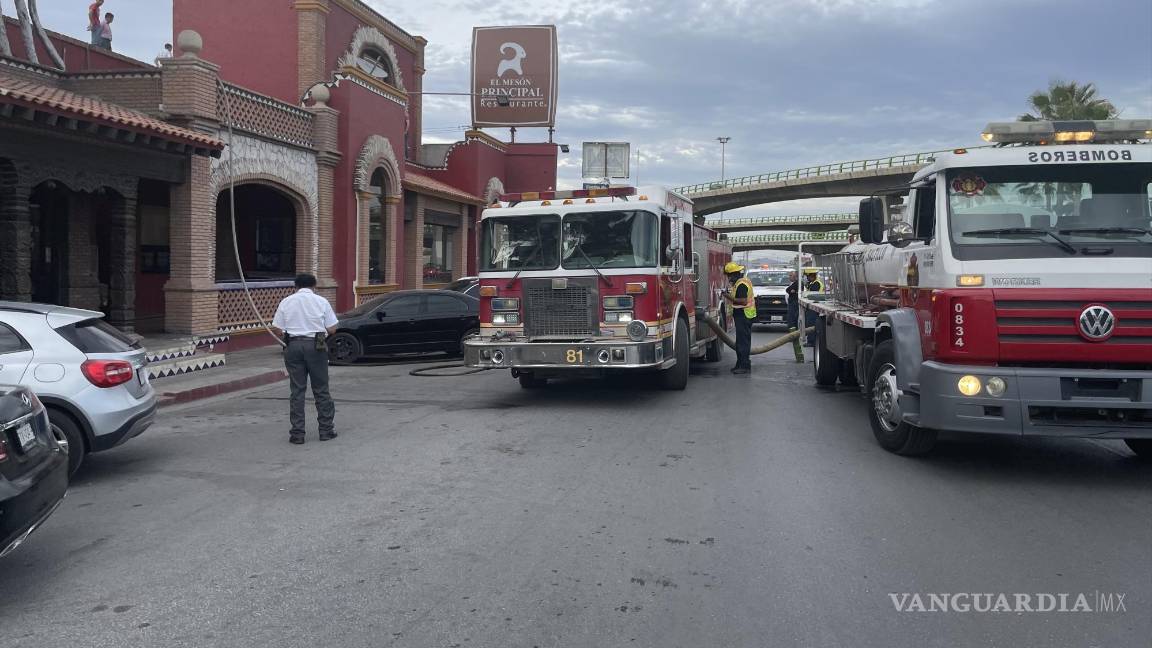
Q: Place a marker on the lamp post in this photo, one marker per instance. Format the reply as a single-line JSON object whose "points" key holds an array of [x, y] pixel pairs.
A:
{"points": [[723, 143]]}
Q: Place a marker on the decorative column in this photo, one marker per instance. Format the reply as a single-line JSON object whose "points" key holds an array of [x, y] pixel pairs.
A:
{"points": [[464, 243], [416, 104], [364, 200], [83, 285], [15, 236], [190, 94], [122, 264], [391, 208], [414, 246], [311, 30], [325, 125]]}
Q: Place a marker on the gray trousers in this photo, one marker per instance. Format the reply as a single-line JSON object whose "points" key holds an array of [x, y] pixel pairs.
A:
{"points": [[305, 363]]}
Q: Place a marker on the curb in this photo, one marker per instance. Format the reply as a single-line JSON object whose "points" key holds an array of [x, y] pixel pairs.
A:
{"points": [[199, 393]]}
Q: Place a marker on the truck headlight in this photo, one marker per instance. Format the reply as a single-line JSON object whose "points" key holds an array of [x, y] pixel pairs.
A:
{"points": [[617, 317], [637, 330], [968, 385], [505, 318], [619, 302], [506, 304], [995, 386]]}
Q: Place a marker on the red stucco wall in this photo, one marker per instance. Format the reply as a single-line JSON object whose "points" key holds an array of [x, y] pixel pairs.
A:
{"points": [[253, 42], [78, 55]]}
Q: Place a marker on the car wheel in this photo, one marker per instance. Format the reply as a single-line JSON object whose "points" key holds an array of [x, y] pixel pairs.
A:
{"points": [[343, 348], [826, 364], [460, 346], [676, 378], [1142, 447], [70, 438], [888, 425]]}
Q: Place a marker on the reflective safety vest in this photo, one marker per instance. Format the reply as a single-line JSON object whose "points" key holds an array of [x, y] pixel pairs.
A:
{"points": [[816, 286], [750, 309]]}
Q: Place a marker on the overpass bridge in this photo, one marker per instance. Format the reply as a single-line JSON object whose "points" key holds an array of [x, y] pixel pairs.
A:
{"points": [[814, 242], [857, 178], [807, 223]]}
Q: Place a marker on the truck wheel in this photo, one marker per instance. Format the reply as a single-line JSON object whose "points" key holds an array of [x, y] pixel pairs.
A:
{"points": [[848, 373], [676, 378], [891, 431], [825, 363], [529, 381], [715, 350], [1142, 447]]}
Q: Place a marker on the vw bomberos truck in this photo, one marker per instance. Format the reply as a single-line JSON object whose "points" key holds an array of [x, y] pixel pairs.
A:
{"points": [[1013, 297]]}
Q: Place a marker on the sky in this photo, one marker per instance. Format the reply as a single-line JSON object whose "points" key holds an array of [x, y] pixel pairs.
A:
{"points": [[793, 83]]}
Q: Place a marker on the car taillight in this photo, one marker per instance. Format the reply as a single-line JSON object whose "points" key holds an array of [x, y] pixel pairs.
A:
{"points": [[107, 373]]}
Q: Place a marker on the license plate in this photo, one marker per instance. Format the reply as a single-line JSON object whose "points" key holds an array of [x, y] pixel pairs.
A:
{"points": [[777, 318], [25, 436]]}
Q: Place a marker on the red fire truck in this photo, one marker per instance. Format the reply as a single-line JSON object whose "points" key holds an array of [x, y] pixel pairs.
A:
{"points": [[593, 281], [1014, 296]]}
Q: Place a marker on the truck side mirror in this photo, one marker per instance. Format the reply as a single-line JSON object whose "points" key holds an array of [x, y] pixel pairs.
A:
{"points": [[871, 220]]}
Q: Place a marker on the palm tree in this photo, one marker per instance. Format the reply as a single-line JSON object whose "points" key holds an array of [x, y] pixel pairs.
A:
{"points": [[1067, 100]]}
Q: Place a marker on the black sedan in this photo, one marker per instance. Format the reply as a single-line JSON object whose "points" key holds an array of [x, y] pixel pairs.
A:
{"points": [[407, 321], [33, 467]]}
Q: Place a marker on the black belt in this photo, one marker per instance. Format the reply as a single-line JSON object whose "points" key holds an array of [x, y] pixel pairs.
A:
{"points": [[303, 337]]}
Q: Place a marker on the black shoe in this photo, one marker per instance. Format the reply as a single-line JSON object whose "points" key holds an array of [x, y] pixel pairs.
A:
{"points": [[741, 370], [297, 439], [328, 436]]}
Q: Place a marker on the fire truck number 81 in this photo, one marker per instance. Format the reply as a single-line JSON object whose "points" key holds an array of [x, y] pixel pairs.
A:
{"points": [[958, 329]]}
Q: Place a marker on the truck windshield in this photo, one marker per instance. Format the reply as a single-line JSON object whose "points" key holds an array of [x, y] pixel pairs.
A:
{"points": [[610, 239], [529, 242], [769, 278], [1048, 210]]}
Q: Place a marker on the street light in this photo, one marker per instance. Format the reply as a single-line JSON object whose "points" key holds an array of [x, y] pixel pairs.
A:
{"points": [[723, 143]]}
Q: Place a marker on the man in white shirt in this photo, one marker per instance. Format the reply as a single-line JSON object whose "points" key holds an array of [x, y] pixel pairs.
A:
{"points": [[304, 319]]}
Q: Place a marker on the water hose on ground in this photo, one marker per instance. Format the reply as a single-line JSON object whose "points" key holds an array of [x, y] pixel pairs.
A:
{"points": [[774, 344], [419, 373]]}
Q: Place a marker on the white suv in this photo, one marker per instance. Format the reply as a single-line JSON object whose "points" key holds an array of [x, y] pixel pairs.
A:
{"points": [[89, 375]]}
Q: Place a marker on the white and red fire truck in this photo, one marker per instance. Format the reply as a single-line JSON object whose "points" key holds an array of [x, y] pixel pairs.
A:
{"points": [[1014, 297], [593, 281]]}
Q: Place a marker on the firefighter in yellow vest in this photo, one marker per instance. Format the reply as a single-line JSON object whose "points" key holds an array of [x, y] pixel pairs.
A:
{"points": [[743, 302]]}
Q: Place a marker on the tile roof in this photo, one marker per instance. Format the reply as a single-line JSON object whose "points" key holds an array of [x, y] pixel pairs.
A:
{"points": [[93, 109], [424, 184]]}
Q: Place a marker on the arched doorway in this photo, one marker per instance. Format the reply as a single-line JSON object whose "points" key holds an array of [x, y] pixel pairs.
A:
{"points": [[49, 206], [265, 234]]}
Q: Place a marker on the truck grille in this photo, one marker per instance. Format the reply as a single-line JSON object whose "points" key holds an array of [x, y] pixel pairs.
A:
{"points": [[1047, 327], [552, 312]]}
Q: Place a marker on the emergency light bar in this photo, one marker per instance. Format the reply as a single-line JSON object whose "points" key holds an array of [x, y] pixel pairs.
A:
{"points": [[609, 192], [1068, 132]]}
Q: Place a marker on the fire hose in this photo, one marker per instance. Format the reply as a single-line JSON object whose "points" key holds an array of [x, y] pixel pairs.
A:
{"points": [[774, 344]]}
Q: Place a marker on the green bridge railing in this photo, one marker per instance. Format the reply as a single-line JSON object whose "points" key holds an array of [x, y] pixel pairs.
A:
{"points": [[894, 161], [840, 236], [781, 221]]}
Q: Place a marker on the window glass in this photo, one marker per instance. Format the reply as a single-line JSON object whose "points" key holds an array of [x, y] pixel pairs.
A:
{"points": [[530, 242], [444, 305], [97, 336], [778, 279], [407, 306], [615, 239], [439, 253], [925, 212], [375, 64], [665, 241], [377, 239], [10, 342]]}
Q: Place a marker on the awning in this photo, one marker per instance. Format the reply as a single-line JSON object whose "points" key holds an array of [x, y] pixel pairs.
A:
{"points": [[429, 186], [38, 103]]}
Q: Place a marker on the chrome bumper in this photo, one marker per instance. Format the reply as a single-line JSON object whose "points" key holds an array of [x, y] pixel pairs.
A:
{"points": [[583, 355]]}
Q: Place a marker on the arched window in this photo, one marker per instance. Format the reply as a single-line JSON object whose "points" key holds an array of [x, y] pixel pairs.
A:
{"points": [[377, 231], [376, 64]]}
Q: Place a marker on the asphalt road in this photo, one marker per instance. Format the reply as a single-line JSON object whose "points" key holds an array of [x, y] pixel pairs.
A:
{"points": [[746, 511]]}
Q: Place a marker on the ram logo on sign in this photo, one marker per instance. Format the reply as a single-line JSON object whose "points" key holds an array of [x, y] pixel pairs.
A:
{"points": [[514, 76]]}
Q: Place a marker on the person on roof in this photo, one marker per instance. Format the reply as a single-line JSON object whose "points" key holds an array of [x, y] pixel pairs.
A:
{"points": [[742, 300], [94, 21]]}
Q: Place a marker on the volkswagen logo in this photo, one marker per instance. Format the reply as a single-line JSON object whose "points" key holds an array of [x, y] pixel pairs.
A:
{"points": [[25, 399], [1097, 323]]}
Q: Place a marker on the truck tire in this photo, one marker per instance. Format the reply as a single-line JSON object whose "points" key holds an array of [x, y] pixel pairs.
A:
{"points": [[529, 381], [676, 378], [826, 364], [715, 351], [1142, 447], [892, 433]]}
